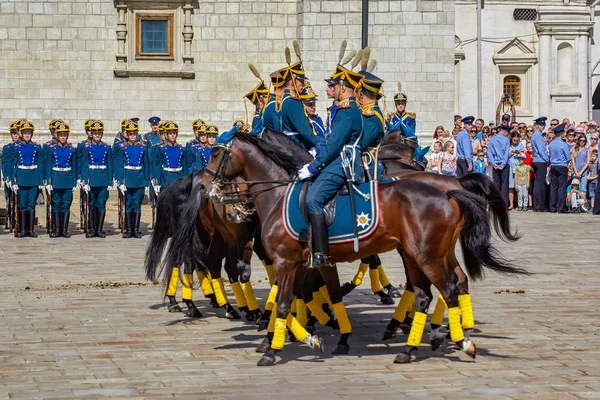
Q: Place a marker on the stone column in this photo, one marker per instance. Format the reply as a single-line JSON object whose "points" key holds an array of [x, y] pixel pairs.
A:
{"points": [[581, 58], [122, 35], [545, 77], [188, 35]]}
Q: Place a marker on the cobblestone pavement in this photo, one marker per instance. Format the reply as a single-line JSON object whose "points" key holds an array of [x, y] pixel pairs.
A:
{"points": [[78, 320]]}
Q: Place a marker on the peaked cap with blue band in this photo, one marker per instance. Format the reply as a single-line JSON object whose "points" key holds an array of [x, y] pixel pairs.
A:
{"points": [[540, 120], [468, 120], [154, 120]]}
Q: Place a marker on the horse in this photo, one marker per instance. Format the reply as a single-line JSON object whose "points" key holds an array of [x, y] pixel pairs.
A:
{"points": [[417, 220]]}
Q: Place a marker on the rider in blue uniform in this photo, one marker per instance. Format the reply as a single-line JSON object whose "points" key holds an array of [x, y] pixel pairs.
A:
{"points": [[170, 160], [259, 97], [285, 112], [97, 176], [403, 120], [132, 173], [373, 120], [345, 137], [61, 179], [27, 164], [309, 100]]}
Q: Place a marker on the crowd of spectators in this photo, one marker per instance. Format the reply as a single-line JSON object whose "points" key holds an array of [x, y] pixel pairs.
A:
{"points": [[565, 172]]}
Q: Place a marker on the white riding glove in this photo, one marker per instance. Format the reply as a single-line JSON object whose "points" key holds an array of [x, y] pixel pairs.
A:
{"points": [[15, 187], [9, 184], [157, 189], [78, 185], [313, 153], [86, 188], [49, 188], [304, 173], [123, 188], [109, 188]]}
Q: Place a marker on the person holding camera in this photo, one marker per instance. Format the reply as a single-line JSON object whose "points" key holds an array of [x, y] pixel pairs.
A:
{"points": [[506, 119]]}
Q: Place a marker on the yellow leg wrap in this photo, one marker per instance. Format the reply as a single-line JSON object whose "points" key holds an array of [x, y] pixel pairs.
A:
{"points": [[271, 327], [296, 328], [360, 274], [205, 285], [416, 330], [438, 313], [293, 307], [456, 332], [382, 276], [222, 284], [279, 334], [272, 297], [186, 286], [374, 277], [172, 289], [325, 294], [413, 310], [219, 293], [250, 297], [315, 307], [342, 317], [270, 268], [238, 293], [301, 314], [466, 311], [407, 299]]}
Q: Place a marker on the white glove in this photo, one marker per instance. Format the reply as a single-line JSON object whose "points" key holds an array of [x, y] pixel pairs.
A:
{"points": [[313, 152], [123, 188], [79, 184], [9, 184], [15, 187], [146, 189], [157, 189], [86, 188], [109, 188], [303, 173], [49, 188]]}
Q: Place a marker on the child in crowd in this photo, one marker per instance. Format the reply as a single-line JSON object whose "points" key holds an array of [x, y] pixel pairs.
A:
{"points": [[592, 176], [574, 200], [447, 162], [480, 163], [522, 182], [435, 157]]}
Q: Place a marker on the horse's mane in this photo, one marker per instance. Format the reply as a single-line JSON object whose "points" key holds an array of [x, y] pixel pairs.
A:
{"points": [[279, 148]]}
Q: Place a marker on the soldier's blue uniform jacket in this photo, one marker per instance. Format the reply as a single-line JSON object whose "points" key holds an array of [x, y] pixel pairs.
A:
{"points": [[318, 126], [80, 150], [291, 120], [560, 155], [347, 130], [331, 111], [464, 147], [406, 123], [132, 165], [195, 154], [202, 158], [257, 120], [171, 163], [61, 173], [271, 118], [374, 126], [46, 147], [152, 138], [97, 172], [27, 169], [7, 156]]}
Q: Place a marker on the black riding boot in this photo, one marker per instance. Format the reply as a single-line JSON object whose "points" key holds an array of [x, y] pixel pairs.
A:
{"points": [[320, 240], [23, 223], [91, 231], [136, 224], [65, 225], [55, 232], [100, 224], [31, 226], [129, 225]]}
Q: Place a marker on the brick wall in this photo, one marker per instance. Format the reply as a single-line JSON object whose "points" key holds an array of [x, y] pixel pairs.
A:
{"points": [[57, 59]]}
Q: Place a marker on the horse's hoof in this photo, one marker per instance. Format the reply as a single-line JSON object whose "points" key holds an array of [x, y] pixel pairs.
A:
{"points": [[347, 288], [471, 349], [340, 349], [266, 360], [333, 324], [174, 308], [257, 315], [249, 316], [194, 313], [436, 343], [402, 358], [232, 314], [387, 335], [316, 343], [393, 291], [404, 328], [387, 300], [310, 329], [263, 324], [263, 346]]}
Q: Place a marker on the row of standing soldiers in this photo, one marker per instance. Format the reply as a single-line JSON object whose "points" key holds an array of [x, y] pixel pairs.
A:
{"points": [[133, 164]]}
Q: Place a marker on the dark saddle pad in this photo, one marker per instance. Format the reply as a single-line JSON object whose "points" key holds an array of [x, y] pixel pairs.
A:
{"points": [[330, 207]]}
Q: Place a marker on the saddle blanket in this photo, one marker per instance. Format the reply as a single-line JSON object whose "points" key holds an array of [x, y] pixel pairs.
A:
{"points": [[341, 229]]}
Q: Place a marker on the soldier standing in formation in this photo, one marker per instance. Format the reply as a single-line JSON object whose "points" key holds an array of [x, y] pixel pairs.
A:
{"points": [[170, 160]]}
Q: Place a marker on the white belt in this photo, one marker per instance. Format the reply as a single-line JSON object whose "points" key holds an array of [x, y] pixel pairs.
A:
{"points": [[97, 166], [61, 169], [133, 167], [172, 169], [28, 167]]}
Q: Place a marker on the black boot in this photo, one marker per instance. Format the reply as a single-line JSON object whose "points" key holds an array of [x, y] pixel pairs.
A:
{"points": [[65, 225], [31, 226], [100, 224], [55, 232], [23, 223], [128, 224], [320, 240], [91, 228], [136, 224]]}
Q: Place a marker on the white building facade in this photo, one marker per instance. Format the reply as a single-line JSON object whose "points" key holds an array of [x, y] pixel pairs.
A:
{"points": [[543, 53]]}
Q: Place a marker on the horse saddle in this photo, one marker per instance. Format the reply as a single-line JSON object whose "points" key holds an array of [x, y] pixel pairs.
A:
{"points": [[338, 212]]}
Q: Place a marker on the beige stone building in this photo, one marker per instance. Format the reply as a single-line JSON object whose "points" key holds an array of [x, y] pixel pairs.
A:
{"points": [[187, 59]]}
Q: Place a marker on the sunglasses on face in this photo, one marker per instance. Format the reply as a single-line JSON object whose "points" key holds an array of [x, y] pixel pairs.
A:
{"points": [[473, 131], [553, 124], [570, 134], [582, 141], [594, 138], [529, 130]]}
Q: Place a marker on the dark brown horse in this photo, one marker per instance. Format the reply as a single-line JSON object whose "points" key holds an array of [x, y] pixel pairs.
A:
{"points": [[416, 219]]}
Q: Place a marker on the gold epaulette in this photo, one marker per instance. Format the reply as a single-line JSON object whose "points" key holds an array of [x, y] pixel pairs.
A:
{"points": [[412, 115], [344, 103]]}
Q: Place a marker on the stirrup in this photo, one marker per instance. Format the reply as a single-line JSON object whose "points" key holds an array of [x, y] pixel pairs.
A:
{"points": [[319, 260]]}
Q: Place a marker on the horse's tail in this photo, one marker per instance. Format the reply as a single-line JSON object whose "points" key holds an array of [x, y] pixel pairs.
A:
{"points": [[483, 186], [170, 204], [188, 246], [476, 238]]}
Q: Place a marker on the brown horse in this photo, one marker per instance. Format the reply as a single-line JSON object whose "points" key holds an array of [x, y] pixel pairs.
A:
{"points": [[416, 219]]}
